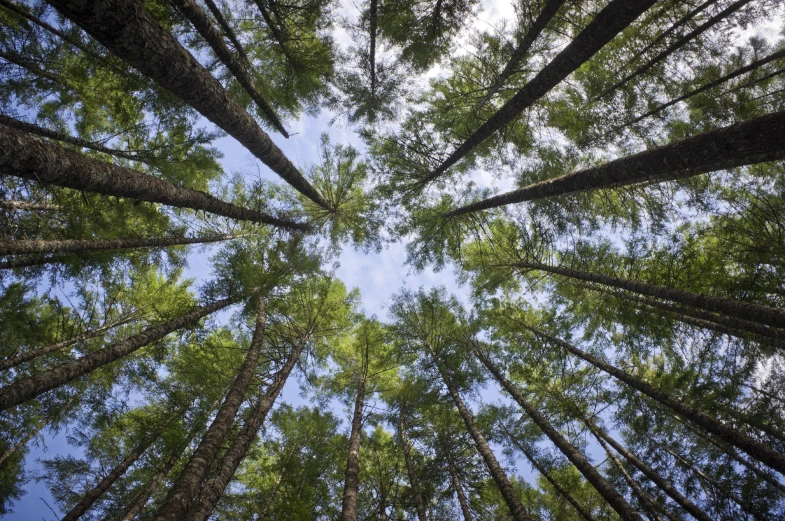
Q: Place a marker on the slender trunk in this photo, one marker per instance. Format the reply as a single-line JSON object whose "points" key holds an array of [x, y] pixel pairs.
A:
{"points": [[372, 22], [756, 141], [268, 502], [96, 492], [604, 488], [680, 23], [494, 469], [547, 475], [644, 499], [650, 473], [28, 247], [23, 155], [549, 10], [411, 471], [28, 388], [130, 32], [213, 489], [678, 44], [609, 22], [760, 451], [352, 475], [41, 426], [280, 38], [228, 31], [24, 205], [32, 67], [9, 363], [180, 497], [25, 13], [456, 482], [199, 19]]}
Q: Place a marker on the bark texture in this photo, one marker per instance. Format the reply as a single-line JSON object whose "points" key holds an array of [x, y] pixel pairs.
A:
{"points": [[23, 155], [24, 205], [609, 22], [28, 388], [33, 246], [411, 471], [132, 34], [352, 474], [756, 141], [180, 498]]}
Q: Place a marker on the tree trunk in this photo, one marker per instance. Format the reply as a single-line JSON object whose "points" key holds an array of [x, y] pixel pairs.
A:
{"points": [[23, 155], [352, 475], [181, 496], [372, 22], [760, 451], [456, 482], [650, 473], [32, 67], [756, 141], [494, 469], [213, 489], [24, 205], [549, 10], [14, 361], [280, 38], [626, 511], [268, 502], [227, 29], [95, 494], [28, 388], [41, 426], [130, 32], [25, 13], [411, 471], [199, 19], [609, 22]]}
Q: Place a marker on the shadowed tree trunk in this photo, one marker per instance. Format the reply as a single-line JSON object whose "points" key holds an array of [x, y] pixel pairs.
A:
{"points": [[352, 474], [268, 501], [609, 22], [131, 33], [456, 482], [626, 511], [756, 141], [31, 67], [14, 361], [41, 426], [28, 157], [227, 29], [758, 450], [27, 15], [372, 22], [26, 247], [199, 19], [180, 498], [280, 38], [28, 388], [410, 470], [24, 205]]}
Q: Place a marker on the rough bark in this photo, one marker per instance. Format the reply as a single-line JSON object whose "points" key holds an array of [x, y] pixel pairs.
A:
{"points": [[33, 246], [679, 23], [23, 155], [456, 482], [28, 388], [547, 13], [411, 471], [760, 451], [649, 505], [180, 498], [116, 473], [228, 31], [132, 34], [626, 511], [352, 474], [199, 20], [24, 205], [494, 469], [609, 22], [14, 361], [750, 142]]}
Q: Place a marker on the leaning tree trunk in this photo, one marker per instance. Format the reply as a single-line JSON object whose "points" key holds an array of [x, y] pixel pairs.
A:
{"points": [[23, 155], [549, 10], [760, 451], [494, 469], [411, 471], [131, 33], [116, 473], [268, 501], [456, 482], [41, 426], [28, 388], [180, 497], [199, 19], [24, 205], [372, 22], [14, 361], [756, 141], [227, 29], [28, 247], [608, 492], [352, 474], [609, 22], [26, 14], [213, 489]]}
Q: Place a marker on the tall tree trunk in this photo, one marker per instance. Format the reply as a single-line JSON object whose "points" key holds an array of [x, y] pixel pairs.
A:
{"points": [[228, 31], [213, 489], [24, 205], [609, 22], [199, 19], [456, 482], [27, 15], [750, 142], [626, 511], [96, 492], [548, 11], [547, 475], [268, 501], [494, 469], [650, 473], [678, 44], [373, 22], [760, 451], [32, 67], [352, 474], [411, 471], [33, 246], [23, 155], [14, 361], [28, 388], [131, 33], [180, 498], [280, 38]]}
